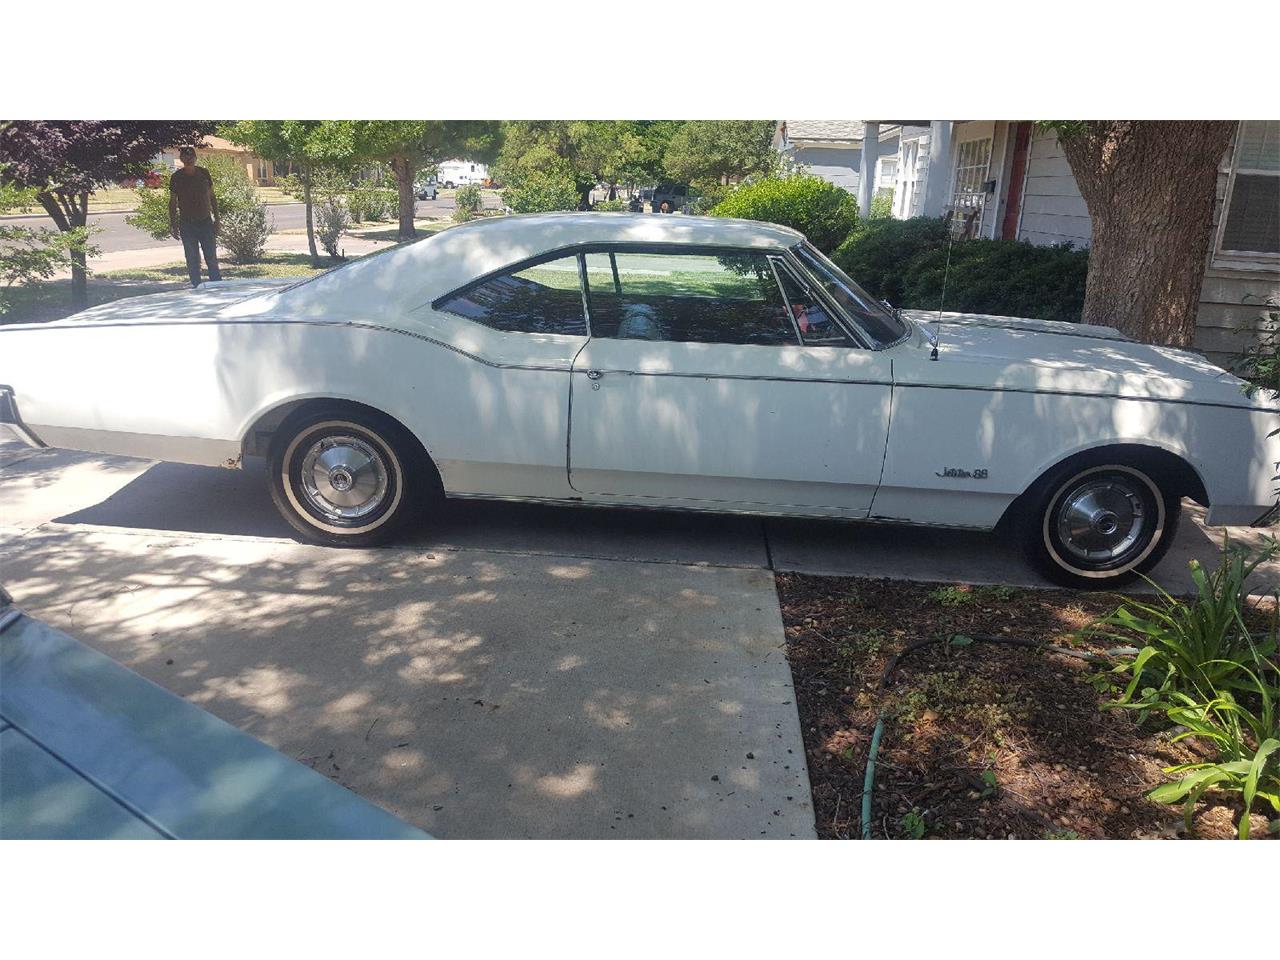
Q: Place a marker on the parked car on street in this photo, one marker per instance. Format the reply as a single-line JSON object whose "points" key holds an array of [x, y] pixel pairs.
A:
{"points": [[627, 360], [426, 189], [675, 195]]}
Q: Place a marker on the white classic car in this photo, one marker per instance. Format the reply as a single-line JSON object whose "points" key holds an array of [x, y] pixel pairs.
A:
{"points": [[672, 362]]}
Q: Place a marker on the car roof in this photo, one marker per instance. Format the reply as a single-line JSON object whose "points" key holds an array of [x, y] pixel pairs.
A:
{"points": [[404, 278]]}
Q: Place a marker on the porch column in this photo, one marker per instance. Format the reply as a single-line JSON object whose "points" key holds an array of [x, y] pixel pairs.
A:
{"points": [[938, 175], [867, 172]]}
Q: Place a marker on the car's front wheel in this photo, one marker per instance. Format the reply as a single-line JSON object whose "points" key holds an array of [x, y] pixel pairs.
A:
{"points": [[1099, 526], [344, 478]]}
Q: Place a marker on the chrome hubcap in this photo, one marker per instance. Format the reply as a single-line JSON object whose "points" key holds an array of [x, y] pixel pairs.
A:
{"points": [[344, 478], [1101, 520]]}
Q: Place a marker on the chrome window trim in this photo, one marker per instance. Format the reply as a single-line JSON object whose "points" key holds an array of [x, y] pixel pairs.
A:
{"points": [[871, 342]]}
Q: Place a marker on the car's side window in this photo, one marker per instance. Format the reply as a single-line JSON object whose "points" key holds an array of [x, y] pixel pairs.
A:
{"points": [[725, 297], [815, 323], [546, 298]]}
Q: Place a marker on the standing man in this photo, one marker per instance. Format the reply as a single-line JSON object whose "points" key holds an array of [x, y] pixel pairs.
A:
{"points": [[193, 215]]}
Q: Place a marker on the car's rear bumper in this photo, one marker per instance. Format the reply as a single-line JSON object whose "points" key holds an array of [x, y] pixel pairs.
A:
{"points": [[11, 420]]}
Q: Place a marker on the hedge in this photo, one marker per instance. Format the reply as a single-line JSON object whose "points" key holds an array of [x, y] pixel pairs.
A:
{"points": [[904, 261]]}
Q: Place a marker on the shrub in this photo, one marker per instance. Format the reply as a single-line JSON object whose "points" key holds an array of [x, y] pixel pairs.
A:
{"points": [[332, 221], [823, 212], [879, 254], [244, 232], [541, 193], [231, 187], [467, 202], [372, 203], [882, 205], [905, 262], [610, 206]]}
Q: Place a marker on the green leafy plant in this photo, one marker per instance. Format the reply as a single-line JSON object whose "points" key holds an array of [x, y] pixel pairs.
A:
{"points": [[610, 206], [1248, 746], [466, 202], [952, 596], [913, 825], [1201, 648], [990, 783], [29, 255], [541, 193], [820, 210], [882, 205], [1211, 678]]}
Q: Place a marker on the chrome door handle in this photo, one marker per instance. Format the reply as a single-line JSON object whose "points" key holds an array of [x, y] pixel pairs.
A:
{"points": [[593, 374]]}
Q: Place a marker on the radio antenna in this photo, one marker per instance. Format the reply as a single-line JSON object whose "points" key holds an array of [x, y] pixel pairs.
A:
{"points": [[946, 274]]}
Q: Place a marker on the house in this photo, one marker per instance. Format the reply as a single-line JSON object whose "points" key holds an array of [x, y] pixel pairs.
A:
{"points": [[1009, 179], [260, 171], [832, 150]]}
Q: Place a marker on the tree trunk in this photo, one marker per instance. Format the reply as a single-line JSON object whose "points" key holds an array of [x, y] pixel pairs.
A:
{"points": [[70, 212], [404, 171], [311, 220], [1150, 187]]}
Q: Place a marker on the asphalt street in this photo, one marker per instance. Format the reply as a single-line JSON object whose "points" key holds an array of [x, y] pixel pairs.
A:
{"points": [[113, 234]]}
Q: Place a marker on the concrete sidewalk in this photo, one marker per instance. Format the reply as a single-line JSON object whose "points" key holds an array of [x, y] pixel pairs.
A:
{"points": [[170, 251]]}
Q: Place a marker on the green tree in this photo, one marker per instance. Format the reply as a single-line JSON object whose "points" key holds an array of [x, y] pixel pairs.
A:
{"points": [[310, 144], [408, 146], [29, 255], [586, 152], [1150, 187], [710, 153]]}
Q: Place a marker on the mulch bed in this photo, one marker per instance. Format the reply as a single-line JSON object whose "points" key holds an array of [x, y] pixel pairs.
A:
{"points": [[983, 740]]}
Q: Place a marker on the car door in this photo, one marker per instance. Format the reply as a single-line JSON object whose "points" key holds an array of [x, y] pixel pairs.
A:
{"points": [[696, 387]]}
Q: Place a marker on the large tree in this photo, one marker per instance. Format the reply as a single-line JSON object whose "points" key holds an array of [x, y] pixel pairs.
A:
{"points": [[707, 153], [588, 152], [408, 146], [64, 161], [1150, 187]]}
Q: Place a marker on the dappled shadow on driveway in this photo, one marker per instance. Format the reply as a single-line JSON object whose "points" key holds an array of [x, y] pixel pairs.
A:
{"points": [[206, 500], [473, 694]]}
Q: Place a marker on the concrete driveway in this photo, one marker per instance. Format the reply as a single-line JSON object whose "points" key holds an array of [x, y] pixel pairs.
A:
{"points": [[471, 686], [517, 671]]}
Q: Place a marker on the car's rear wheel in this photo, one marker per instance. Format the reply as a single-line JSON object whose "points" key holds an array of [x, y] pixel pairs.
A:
{"points": [[345, 477], [1096, 526]]}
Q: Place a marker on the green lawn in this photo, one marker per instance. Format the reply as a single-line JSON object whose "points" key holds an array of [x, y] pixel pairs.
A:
{"points": [[52, 300]]}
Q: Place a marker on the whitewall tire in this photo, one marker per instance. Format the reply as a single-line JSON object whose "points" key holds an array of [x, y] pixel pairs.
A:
{"points": [[344, 478], [1099, 525]]}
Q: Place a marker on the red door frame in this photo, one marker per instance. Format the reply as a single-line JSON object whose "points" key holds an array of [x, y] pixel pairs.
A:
{"points": [[1017, 178]]}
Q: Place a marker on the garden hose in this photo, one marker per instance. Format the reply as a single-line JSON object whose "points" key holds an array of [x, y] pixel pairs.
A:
{"points": [[869, 777]]}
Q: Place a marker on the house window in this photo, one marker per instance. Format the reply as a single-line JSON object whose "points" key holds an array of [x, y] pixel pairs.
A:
{"points": [[888, 171], [973, 157], [1251, 216]]}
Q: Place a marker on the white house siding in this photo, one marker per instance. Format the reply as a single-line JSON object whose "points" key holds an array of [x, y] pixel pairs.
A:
{"points": [[1052, 209], [1234, 296], [838, 165]]}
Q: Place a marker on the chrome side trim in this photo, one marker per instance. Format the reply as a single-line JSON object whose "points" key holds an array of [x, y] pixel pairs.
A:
{"points": [[1079, 393]]}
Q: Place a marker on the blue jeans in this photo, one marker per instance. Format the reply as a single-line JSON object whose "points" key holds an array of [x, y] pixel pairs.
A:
{"points": [[197, 235]]}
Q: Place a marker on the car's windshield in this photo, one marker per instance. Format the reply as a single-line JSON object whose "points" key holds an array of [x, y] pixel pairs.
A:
{"points": [[880, 323]]}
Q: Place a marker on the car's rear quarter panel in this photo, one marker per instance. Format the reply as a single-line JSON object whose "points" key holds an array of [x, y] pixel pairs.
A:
{"points": [[191, 391]]}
